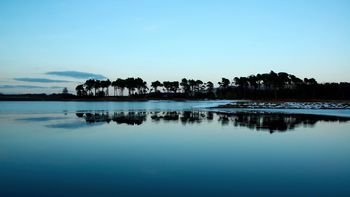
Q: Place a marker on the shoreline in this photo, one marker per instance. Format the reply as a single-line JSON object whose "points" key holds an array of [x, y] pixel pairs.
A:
{"points": [[70, 98], [260, 105], [93, 99]]}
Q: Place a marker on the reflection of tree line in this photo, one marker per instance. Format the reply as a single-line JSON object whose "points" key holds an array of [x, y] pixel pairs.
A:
{"points": [[275, 121], [184, 117], [130, 118], [254, 120]]}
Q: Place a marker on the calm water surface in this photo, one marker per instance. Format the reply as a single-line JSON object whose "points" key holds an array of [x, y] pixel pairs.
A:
{"points": [[169, 148]]}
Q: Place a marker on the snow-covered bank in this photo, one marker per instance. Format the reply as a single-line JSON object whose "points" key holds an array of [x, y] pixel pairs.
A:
{"points": [[340, 109], [287, 105], [323, 112]]}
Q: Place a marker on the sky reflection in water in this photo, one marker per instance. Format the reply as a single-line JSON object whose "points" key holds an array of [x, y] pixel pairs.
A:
{"points": [[173, 153], [258, 120]]}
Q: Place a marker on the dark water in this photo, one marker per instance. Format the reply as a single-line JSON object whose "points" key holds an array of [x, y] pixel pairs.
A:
{"points": [[180, 151]]}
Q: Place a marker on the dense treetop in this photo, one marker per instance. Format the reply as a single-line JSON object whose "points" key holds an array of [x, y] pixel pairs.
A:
{"points": [[266, 85]]}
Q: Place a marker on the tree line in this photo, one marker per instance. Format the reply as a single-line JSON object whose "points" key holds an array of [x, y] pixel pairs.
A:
{"points": [[270, 85], [137, 86]]}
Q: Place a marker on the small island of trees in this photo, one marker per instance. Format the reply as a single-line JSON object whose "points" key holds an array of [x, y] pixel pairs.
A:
{"points": [[261, 86]]}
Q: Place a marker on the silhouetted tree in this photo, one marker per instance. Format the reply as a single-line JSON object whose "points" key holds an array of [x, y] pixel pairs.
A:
{"points": [[155, 85], [185, 86], [105, 85], [115, 87], [174, 86], [167, 86], [89, 85], [224, 83], [192, 84], [97, 86], [199, 85], [65, 90], [80, 90], [253, 81], [283, 80], [119, 84], [141, 85], [210, 87], [130, 85], [260, 86]]}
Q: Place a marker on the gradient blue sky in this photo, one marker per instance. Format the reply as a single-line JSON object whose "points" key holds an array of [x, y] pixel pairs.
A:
{"points": [[169, 40]]}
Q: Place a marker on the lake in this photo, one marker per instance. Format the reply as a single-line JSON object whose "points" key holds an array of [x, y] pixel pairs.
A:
{"points": [[168, 148]]}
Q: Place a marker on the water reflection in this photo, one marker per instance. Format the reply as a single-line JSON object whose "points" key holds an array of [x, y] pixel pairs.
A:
{"points": [[40, 119], [264, 121], [185, 116], [275, 121], [130, 118], [72, 125]]}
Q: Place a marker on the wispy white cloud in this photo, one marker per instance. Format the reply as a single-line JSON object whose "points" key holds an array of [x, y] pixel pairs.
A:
{"points": [[28, 87], [40, 80], [76, 74]]}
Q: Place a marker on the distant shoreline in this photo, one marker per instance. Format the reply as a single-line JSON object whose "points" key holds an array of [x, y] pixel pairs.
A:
{"points": [[59, 97], [86, 99]]}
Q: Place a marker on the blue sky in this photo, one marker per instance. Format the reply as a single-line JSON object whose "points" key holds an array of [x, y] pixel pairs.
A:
{"points": [[169, 40]]}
